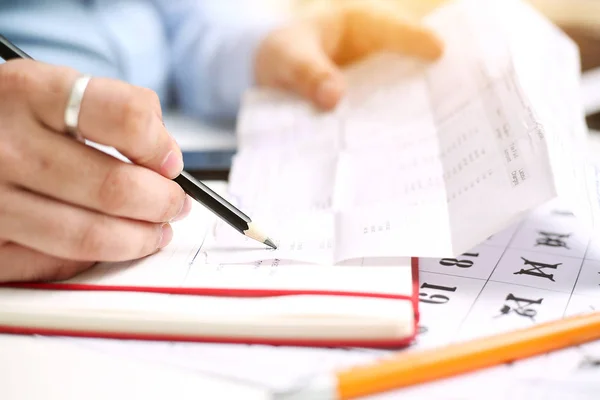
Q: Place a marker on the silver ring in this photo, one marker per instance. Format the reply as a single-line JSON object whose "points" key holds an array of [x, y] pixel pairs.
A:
{"points": [[74, 106]]}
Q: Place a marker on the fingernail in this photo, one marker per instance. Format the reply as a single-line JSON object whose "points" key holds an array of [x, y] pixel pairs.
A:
{"points": [[166, 235], [328, 93], [172, 164], [185, 209]]}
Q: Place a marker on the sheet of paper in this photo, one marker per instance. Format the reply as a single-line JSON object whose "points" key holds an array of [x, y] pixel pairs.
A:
{"points": [[401, 167]]}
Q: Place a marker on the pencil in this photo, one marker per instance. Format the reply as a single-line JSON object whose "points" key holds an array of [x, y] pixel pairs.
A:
{"points": [[192, 187], [418, 367], [222, 208], [8, 50]]}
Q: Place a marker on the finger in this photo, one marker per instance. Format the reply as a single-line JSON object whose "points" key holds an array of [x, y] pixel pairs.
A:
{"points": [[68, 171], [112, 113], [129, 118], [73, 233], [374, 29], [300, 64], [21, 264]]}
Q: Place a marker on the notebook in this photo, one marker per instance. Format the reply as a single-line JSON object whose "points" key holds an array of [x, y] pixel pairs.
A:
{"points": [[176, 294]]}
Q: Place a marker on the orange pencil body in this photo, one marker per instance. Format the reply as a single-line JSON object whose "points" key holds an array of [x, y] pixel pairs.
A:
{"points": [[424, 366]]}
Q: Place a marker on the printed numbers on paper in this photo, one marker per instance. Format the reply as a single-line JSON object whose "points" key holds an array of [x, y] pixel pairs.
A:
{"points": [[436, 297], [460, 263]]}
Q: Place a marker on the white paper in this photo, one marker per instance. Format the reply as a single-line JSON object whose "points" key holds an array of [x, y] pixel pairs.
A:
{"points": [[419, 159]]}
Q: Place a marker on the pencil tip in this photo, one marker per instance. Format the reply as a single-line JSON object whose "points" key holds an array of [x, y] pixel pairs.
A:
{"points": [[270, 243]]}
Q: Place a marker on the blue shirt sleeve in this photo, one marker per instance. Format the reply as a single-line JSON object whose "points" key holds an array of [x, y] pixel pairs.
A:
{"points": [[212, 48], [60, 33]]}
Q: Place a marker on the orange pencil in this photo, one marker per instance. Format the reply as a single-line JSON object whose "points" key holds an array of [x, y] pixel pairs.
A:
{"points": [[425, 366]]}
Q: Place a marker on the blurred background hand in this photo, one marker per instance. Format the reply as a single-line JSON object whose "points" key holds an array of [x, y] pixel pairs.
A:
{"points": [[305, 56], [343, 30]]}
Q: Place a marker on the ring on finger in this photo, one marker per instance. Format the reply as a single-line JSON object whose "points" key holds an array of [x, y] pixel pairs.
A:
{"points": [[74, 106]]}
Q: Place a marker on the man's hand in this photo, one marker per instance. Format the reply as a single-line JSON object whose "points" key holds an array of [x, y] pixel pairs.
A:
{"points": [[65, 205], [305, 56]]}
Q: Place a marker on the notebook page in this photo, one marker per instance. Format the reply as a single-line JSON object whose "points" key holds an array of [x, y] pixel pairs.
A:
{"points": [[182, 265]]}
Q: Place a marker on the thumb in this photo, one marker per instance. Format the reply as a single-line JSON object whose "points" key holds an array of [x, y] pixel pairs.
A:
{"points": [[303, 67]]}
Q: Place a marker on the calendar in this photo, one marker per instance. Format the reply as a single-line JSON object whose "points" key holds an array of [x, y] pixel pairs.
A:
{"points": [[543, 268]]}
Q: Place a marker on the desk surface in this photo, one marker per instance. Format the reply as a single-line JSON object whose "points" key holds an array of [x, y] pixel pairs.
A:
{"points": [[38, 368]]}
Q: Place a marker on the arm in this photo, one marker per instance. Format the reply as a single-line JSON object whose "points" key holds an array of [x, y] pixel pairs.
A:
{"points": [[212, 51], [62, 33]]}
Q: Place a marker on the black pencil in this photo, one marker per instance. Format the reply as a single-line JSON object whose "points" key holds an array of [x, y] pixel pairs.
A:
{"points": [[194, 188]]}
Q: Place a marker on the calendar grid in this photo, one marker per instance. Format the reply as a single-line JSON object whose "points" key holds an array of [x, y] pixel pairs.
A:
{"points": [[489, 277], [578, 275], [534, 271]]}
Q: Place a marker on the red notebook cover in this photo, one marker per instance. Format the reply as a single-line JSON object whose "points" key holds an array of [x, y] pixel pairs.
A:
{"points": [[384, 343]]}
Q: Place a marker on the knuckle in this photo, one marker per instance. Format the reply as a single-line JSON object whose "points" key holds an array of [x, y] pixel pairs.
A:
{"points": [[300, 68], [174, 202], [21, 264], [151, 99], [11, 153], [64, 270], [28, 272], [142, 241], [113, 190], [67, 237], [302, 74], [149, 240], [140, 121], [59, 270], [137, 119], [5, 208], [91, 240], [17, 77]]}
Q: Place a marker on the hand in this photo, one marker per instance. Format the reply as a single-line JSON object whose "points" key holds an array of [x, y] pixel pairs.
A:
{"points": [[305, 57], [65, 205]]}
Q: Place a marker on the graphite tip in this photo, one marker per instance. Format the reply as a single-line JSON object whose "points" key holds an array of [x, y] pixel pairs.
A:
{"points": [[270, 243]]}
